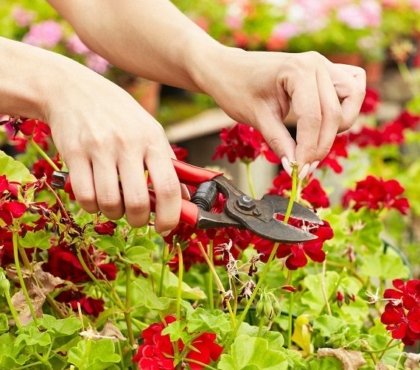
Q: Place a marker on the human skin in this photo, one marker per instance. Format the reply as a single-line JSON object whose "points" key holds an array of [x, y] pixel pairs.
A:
{"points": [[105, 137]]}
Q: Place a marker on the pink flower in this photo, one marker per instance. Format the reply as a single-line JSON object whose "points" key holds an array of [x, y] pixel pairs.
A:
{"points": [[352, 15], [415, 4], [97, 63], [45, 34], [372, 12], [22, 16], [75, 45]]}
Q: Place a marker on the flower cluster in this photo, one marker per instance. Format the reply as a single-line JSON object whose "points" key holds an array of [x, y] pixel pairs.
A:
{"points": [[377, 194], [243, 142], [338, 150], [402, 312], [157, 351]]}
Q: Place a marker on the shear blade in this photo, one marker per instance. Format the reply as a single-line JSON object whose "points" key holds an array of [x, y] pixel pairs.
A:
{"points": [[277, 231], [279, 205]]}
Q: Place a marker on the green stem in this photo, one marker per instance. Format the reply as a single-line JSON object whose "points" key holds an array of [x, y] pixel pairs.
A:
{"points": [[12, 308], [290, 320], [127, 312], [165, 252], [210, 278], [249, 179], [44, 155], [273, 253], [388, 345], [20, 276], [180, 279], [323, 287], [217, 281]]}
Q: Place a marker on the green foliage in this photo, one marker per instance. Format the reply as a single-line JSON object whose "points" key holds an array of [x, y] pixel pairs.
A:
{"points": [[94, 354], [254, 353], [14, 170]]}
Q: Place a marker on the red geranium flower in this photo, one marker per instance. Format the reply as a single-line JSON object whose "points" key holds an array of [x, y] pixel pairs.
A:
{"points": [[105, 228], [338, 150], [74, 298], [241, 142], [180, 152], [405, 293], [157, 352], [371, 101], [375, 193], [10, 210]]}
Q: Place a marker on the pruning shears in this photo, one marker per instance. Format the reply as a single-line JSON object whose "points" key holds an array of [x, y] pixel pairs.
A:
{"points": [[240, 210]]}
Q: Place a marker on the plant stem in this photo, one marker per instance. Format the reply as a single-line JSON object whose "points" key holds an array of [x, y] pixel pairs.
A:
{"points": [[323, 287], [180, 279], [386, 348], [218, 282], [44, 155], [273, 253], [12, 308], [290, 316], [249, 179], [127, 312], [20, 276], [163, 269], [210, 277]]}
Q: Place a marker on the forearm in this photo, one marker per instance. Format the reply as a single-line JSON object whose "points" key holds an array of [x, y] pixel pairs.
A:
{"points": [[29, 76], [149, 38]]}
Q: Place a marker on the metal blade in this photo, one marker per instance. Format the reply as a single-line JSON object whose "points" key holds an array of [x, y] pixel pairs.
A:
{"points": [[280, 232], [279, 205]]}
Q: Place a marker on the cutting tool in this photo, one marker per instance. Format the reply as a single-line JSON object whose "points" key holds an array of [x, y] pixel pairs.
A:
{"points": [[240, 210]]}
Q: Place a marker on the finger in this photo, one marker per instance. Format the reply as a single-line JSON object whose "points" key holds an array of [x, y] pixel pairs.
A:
{"points": [[134, 187], [332, 115], [185, 193], [107, 187], [306, 105], [167, 189], [81, 178], [351, 90]]}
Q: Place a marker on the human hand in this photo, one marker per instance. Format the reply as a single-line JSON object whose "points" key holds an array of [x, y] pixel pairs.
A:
{"points": [[259, 88], [105, 138]]}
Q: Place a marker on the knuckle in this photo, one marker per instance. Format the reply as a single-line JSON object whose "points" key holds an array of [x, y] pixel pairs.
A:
{"points": [[169, 189], [137, 205], [109, 203]]}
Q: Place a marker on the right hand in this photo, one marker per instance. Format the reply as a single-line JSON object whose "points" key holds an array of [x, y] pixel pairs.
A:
{"points": [[105, 137]]}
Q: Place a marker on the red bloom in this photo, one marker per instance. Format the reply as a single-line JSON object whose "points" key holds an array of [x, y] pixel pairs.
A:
{"points": [[241, 142], [180, 152], [105, 228], [402, 313], [315, 194], [10, 210], [312, 192], [408, 120], [367, 136], [42, 168], [375, 193], [157, 352], [405, 293], [338, 150], [64, 263], [91, 306], [371, 101]]}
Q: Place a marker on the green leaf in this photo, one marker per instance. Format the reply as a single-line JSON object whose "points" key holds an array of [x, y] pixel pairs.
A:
{"points": [[60, 327], [14, 170], [384, 265], [325, 363], [39, 239], [176, 331], [253, 353], [202, 320], [313, 297], [31, 336], [4, 323], [170, 284], [110, 244], [144, 296], [93, 355], [139, 255], [328, 325]]}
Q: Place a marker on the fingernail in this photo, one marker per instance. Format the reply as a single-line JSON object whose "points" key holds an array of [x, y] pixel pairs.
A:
{"points": [[313, 167], [165, 233], [286, 165], [304, 171]]}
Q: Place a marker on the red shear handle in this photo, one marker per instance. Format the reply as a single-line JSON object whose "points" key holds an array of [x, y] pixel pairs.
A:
{"points": [[189, 211], [193, 175]]}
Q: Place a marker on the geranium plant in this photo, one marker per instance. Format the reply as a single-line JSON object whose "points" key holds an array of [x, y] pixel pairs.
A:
{"points": [[80, 291]]}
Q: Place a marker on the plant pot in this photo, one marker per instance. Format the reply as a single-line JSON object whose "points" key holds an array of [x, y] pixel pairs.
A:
{"points": [[374, 71], [346, 58], [147, 93]]}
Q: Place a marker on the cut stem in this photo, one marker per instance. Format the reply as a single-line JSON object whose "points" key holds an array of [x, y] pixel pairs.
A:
{"points": [[44, 155], [249, 179]]}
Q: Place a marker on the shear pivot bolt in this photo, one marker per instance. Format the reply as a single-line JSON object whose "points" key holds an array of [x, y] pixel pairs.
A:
{"points": [[245, 202]]}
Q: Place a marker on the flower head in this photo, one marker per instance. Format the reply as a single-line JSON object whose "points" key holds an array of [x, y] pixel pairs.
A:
{"points": [[46, 34], [376, 193]]}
